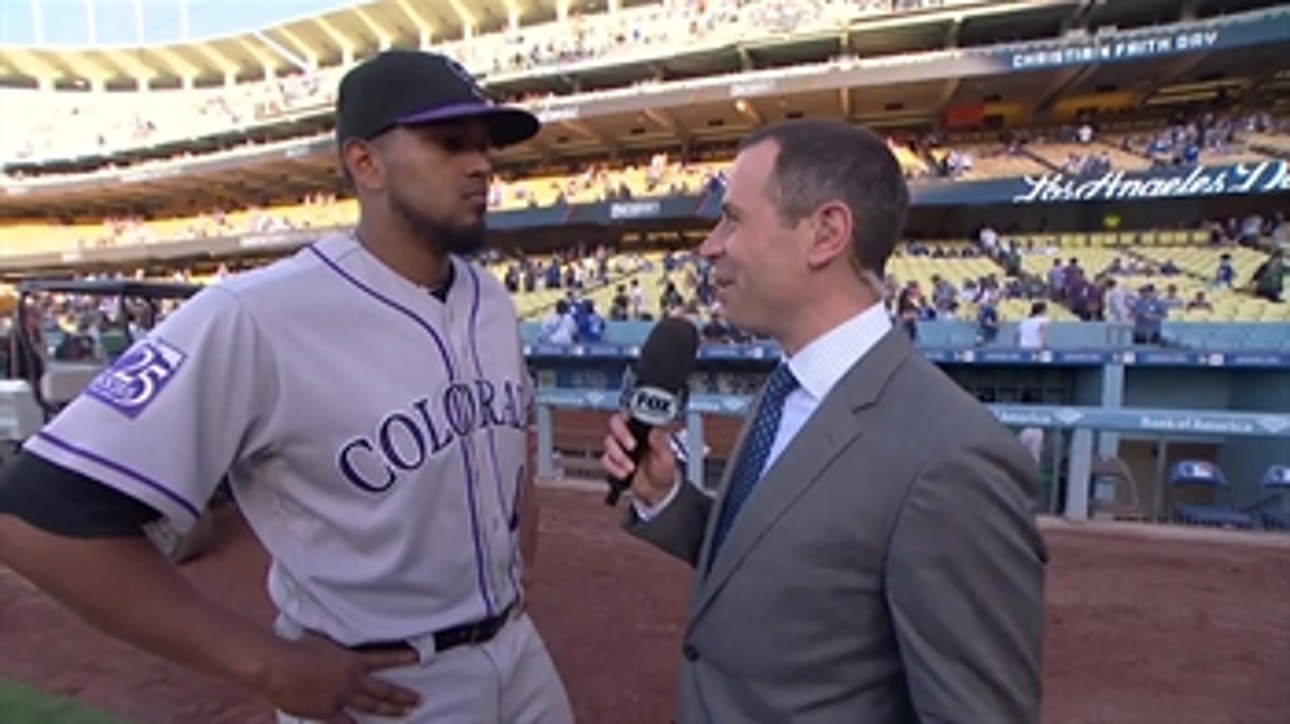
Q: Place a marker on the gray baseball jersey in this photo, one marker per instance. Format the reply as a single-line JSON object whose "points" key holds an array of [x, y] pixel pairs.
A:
{"points": [[375, 438]]}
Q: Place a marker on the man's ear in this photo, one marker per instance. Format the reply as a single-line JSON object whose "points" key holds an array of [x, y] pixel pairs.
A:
{"points": [[831, 226], [363, 164]]}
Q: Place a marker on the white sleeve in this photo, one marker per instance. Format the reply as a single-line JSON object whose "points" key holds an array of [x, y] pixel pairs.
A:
{"points": [[644, 511], [175, 412]]}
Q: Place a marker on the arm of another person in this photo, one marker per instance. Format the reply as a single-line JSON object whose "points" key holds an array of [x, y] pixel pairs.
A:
{"points": [[150, 438], [965, 586]]}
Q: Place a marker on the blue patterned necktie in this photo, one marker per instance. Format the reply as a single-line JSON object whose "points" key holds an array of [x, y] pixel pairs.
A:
{"points": [[756, 449]]}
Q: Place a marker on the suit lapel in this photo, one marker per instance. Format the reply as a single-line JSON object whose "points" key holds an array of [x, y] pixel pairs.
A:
{"points": [[834, 424]]}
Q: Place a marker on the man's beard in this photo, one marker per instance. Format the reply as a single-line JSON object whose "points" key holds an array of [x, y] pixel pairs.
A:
{"points": [[461, 239]]}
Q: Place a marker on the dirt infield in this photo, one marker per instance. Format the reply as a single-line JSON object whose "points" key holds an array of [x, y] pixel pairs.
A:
{"points": [[1142, 629]]}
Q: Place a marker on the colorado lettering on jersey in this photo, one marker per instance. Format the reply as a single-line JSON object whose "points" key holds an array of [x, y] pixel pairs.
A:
{"points": [[406, 440]]}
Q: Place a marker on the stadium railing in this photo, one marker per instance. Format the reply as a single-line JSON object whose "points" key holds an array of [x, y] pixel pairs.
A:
{"points": [[1081, 423], [1271, 336]]}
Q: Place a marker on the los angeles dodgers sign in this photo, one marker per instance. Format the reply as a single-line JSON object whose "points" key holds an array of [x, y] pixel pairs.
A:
{"points": [[137, 377]]}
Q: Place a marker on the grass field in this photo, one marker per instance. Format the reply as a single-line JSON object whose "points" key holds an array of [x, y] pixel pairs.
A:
{"points": [[21, 704]]}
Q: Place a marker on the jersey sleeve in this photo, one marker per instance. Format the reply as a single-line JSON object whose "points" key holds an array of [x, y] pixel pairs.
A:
{"points": [[175, 412]]}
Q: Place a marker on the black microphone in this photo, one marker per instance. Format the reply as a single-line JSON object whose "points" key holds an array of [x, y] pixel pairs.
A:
{"points": [[656, 393]]}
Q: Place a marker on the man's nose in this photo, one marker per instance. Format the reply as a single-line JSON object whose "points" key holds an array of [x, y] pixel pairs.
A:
{"points": [[478, 163], [710, 247]]}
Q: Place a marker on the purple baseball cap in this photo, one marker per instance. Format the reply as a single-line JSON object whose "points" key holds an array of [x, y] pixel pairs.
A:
{"points": [[410, 88]]}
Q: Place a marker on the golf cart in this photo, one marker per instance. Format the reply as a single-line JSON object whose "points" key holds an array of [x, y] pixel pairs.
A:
{"points": [[47, 368]]}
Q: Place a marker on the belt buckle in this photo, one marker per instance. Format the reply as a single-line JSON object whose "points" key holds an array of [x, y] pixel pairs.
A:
{"points": [[487, 630], [481, 634]]}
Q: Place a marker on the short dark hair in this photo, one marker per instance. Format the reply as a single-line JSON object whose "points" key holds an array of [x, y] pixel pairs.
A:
{"points": [[829, 160]]}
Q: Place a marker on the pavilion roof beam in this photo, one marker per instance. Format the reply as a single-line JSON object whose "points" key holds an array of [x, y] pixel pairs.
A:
{"points": [[346, 44], [425, 29], [467, 18], [305, 58], [384, 38]]}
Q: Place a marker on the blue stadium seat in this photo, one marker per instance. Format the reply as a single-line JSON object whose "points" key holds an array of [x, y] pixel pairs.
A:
{"points": [[1274, 498], [1221, 513]]}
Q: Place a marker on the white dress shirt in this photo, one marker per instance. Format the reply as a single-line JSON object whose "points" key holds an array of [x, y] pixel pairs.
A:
{"points": [[818, 366]]}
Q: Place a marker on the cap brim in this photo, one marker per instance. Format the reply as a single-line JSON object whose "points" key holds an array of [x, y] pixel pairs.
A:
{"points": [[507, 125]]}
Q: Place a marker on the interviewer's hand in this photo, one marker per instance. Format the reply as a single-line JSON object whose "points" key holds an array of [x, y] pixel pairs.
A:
{"points": [[653, 479], [314, 678]]}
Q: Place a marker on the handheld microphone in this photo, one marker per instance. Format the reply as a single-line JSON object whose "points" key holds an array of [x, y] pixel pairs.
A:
{"points": [[655, 394]]}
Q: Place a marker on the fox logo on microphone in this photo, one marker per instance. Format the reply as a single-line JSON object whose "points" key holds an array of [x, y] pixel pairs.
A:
{"points": [[653, 406]]}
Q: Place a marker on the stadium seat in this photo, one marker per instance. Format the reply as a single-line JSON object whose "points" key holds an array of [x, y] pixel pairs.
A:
{"points": [[1204, 475], [1274, 498]]}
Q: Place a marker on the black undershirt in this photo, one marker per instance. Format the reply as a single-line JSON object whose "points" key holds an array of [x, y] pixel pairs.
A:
{"points": [[64, 502], [441, 292]]}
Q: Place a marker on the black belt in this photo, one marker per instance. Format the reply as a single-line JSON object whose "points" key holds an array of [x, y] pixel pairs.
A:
{"points": [[469, 634]]}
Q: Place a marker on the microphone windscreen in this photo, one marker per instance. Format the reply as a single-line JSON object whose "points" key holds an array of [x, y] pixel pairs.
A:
{"points": [[669, 355]]}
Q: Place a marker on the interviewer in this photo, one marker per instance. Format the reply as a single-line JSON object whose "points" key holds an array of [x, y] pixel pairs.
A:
{"points": [[871, 554]]}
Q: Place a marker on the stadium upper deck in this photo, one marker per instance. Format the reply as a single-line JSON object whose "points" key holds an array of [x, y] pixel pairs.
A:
{"points": [[643, 84], [207, 95]]}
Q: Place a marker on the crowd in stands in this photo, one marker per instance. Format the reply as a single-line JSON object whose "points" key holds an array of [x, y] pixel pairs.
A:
{"points": [[63, 125], [575, 294], [1135, 290], [1089, 148], [1077, 150]]}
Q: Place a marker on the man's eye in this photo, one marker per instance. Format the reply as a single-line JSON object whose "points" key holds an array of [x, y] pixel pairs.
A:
{"points": [[457, 143]]}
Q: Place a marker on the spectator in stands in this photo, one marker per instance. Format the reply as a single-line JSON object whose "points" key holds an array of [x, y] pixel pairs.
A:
{"points": [[1032, 332], [909, 308], [987, 322], [1057, 281], [1199, 303], [1269, 278], [669, 299], [591, 326], [619, 305], [1115, 303], [1225, 274], [1149, 313], [943, 293], [638, 300], [716, 330], [559, 326]]}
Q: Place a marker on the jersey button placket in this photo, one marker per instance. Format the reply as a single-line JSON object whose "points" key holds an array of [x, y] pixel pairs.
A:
{"points": [[476, 465], [498, 536]]}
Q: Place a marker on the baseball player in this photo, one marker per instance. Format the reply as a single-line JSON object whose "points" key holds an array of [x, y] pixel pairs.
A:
{"points": [[368, 400]]}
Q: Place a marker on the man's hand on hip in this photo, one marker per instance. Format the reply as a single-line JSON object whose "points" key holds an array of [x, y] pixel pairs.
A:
{"points": [[316, 678]]}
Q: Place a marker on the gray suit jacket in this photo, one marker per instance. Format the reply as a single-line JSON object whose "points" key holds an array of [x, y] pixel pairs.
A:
{"points": [[887, 569]]}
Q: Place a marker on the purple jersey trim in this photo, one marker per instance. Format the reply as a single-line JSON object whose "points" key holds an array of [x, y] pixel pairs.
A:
{"points": [[492, 437], [116, 467], [429, 329]]}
